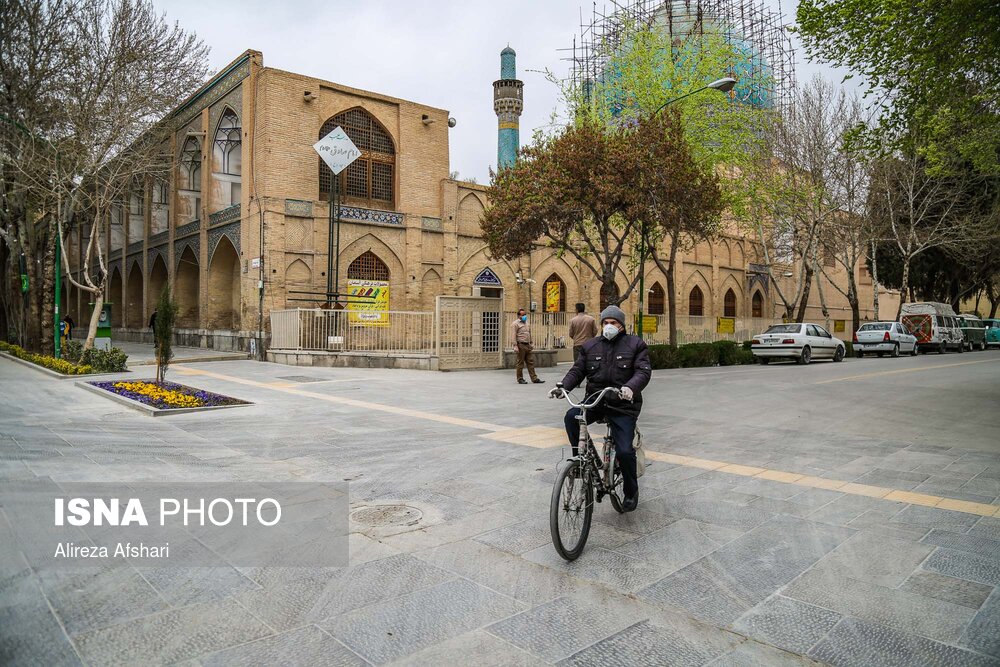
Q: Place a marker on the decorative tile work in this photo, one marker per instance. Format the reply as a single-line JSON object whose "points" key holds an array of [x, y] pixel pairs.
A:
{"points": [[370, 215], [160, 250], [187, 228], [488, 278], [193, 241], [115, 254], [231, 231], [158, 238], [225, 215], [134, 247], [133, 263], [223, 86], [431, 223], [298, 208]]}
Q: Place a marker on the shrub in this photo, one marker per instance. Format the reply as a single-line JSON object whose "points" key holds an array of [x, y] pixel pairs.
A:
{"points": [[663, 356], [694, 355], [727, 353], [105, 361], [72, 351], [57, 365], [747, 344]]}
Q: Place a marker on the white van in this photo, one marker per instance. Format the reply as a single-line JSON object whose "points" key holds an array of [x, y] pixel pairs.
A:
{"points": [[935, 326]]}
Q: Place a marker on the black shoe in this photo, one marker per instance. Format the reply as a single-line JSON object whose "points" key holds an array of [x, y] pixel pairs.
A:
{"points": [[630, 503], [522, 381], [537, 381]]}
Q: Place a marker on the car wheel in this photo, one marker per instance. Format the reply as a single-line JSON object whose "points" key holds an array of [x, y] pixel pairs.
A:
{"points": [[961, 347], [914, 350], [764, 361], [895, 351], [839, 354], [805, 357], [859, 354], [880, 354]]}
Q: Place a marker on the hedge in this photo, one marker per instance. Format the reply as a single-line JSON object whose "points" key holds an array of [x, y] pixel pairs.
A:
{"points": [[694, 355], [57, 365]]}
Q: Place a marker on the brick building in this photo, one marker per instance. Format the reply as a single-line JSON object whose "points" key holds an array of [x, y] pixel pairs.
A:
{"points": [[247, 204]]}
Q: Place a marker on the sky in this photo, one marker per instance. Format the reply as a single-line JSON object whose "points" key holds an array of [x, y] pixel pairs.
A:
{"points": [[442, 53]]}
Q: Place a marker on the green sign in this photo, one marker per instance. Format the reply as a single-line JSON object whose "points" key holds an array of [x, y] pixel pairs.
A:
{"points": [[24, 282]]}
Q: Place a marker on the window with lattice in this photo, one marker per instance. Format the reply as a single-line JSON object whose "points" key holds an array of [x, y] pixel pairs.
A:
{"points": [[368, 266], [757, 305], [369, 180], [228, 144], [190, 166], [696, 302], [729, 304], [555, 294], [657, 297]]}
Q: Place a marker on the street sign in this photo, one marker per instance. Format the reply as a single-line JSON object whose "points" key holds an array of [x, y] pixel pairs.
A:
{"points": [[337, 150], [725, 325], [649, 324]]}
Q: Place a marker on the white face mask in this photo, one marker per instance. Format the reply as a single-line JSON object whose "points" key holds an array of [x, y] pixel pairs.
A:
{"points": [[610, 331]]}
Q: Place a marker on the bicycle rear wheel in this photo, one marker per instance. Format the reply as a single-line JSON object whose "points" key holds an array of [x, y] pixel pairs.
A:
{"points": [[571, 510]]}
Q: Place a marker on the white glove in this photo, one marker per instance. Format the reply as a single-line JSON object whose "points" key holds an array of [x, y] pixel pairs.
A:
{"points": [[556, 392], [626, 394]]}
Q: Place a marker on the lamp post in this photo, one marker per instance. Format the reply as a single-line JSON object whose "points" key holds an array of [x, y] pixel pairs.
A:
{"points": [[723, 85]]}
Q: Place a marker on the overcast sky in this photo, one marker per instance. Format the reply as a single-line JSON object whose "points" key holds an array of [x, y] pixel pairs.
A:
{"points": [[444, 53]]}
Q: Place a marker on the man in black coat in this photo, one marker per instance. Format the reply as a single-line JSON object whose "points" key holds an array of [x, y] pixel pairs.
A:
{"points": [[612, 359]]}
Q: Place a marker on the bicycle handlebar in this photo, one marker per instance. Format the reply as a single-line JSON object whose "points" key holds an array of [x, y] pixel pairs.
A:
{"points": [[591, 404]]}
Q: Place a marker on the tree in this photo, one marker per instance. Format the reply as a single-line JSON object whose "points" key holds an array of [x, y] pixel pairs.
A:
{"points": [[103, 72], [572, 190], [163, 332], [676, 197], [932, 63]]}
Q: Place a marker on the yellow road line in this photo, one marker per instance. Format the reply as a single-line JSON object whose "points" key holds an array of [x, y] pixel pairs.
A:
{"points": [[905, 370], [547, 437]]}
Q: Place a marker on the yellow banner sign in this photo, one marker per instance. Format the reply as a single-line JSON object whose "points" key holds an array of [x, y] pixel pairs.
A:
{"points": [[839, 326], [552, 294], [649, 324], [725, 325], [373, 310]]}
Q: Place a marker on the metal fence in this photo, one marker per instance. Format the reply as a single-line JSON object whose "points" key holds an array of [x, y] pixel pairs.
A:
{"points": [[692, 329], [346, 331]]}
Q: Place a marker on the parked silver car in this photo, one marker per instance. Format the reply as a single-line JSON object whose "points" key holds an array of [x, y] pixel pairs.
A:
{"points": [[801, 342], [883, 338]]}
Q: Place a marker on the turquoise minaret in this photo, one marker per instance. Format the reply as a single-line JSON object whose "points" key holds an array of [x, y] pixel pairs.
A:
{"points": [[508, 103]]}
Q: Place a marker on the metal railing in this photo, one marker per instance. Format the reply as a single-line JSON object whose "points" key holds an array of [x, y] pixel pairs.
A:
{"points": [[351, 331], [548, 330], [704, 329]]}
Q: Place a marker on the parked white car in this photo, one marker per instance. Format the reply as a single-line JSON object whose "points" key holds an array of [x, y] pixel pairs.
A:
{"points": [[883, 338], [801, 342]]}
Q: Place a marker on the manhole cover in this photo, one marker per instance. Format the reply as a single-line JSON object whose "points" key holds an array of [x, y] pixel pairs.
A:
{"points": [[387, 515], [299, 378]]}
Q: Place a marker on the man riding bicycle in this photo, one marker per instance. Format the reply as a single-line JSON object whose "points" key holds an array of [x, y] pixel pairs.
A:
{"points": [[613, 359]]}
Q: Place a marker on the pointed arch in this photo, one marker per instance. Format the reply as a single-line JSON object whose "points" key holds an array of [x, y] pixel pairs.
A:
{"points": [[657, 300], [470, 215], [554, 294], [431, 286], [133, 305], [757, 305], [158, 277], [729, 303], [115, 288], [298, 272], [187, 279], [370, 242], [368, 266], [696, 302], [223, 287], [227, 161], [370, 179]]}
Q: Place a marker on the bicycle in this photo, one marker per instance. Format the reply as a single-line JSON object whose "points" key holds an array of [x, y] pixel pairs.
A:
{"points": [[584, 477]]}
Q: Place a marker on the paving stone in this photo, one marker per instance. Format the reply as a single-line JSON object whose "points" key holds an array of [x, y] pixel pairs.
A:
{"points": [[679, 544], [644, 644], [477, 648], [788, 624], [877, 558], [304, 646], [533, 533], [858, 642], [847, 508], [707, 511], [704, 590], [754, 654], [645, 519], [931, 517], [182, 586], [987, 526], [906, 611], [983, 486], [29, 633], [171, 636], [964, 565], [878, 522], [957, 591], [981, 546], [336, 592], [559, 628], [613, 569], [471, 492], [983, 633], [396, 628], [892, 479], [768, 489]]}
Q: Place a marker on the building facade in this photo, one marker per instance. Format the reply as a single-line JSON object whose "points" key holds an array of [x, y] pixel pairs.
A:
{"points": [[241, 226]]}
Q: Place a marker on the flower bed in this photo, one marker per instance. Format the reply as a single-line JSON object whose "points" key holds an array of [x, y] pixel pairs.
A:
{"points": [[166, 396], [45, 361]]}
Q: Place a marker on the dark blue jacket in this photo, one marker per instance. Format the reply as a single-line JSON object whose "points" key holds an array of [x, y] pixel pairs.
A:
{"points": [[617, 363]]}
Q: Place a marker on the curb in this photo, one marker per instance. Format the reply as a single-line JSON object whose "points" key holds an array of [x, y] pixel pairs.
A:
{"points": [[151, 411], [55, 374]]}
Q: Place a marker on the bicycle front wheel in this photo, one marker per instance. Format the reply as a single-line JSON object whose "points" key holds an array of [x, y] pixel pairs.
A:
{"points": [[571, 510]]}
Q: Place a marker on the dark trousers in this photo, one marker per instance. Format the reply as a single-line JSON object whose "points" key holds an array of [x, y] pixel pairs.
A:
{"points": [[577, 351], [622, 428], [525, 357]]}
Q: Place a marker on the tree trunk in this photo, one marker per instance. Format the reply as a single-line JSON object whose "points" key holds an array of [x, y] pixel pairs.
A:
{"points": [[48, 293], [874, 282], [903, 287], [672, 292], [852, 299], [95, 318], [804, 299]]}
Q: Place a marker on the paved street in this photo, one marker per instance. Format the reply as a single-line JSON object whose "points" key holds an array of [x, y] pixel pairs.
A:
{"points": [[833, 513]]}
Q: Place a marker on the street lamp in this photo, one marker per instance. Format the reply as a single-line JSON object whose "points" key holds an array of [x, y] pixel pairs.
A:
{"points": [[723, 85]]}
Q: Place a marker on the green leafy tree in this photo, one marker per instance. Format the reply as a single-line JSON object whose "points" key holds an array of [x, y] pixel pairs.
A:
{"points": [[163, 332]]}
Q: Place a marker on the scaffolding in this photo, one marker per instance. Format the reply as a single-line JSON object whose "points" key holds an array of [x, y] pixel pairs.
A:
{"points": [[747, 25]]}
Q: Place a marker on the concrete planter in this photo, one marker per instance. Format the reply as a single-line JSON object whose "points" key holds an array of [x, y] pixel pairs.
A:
{"points": [[55, 374], [150, 410], [418, 362]]}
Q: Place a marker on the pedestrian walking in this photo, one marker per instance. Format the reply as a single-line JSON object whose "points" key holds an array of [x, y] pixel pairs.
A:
{"points": [[152, 327], [69, 327], [521, 335], [582, 328]]}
